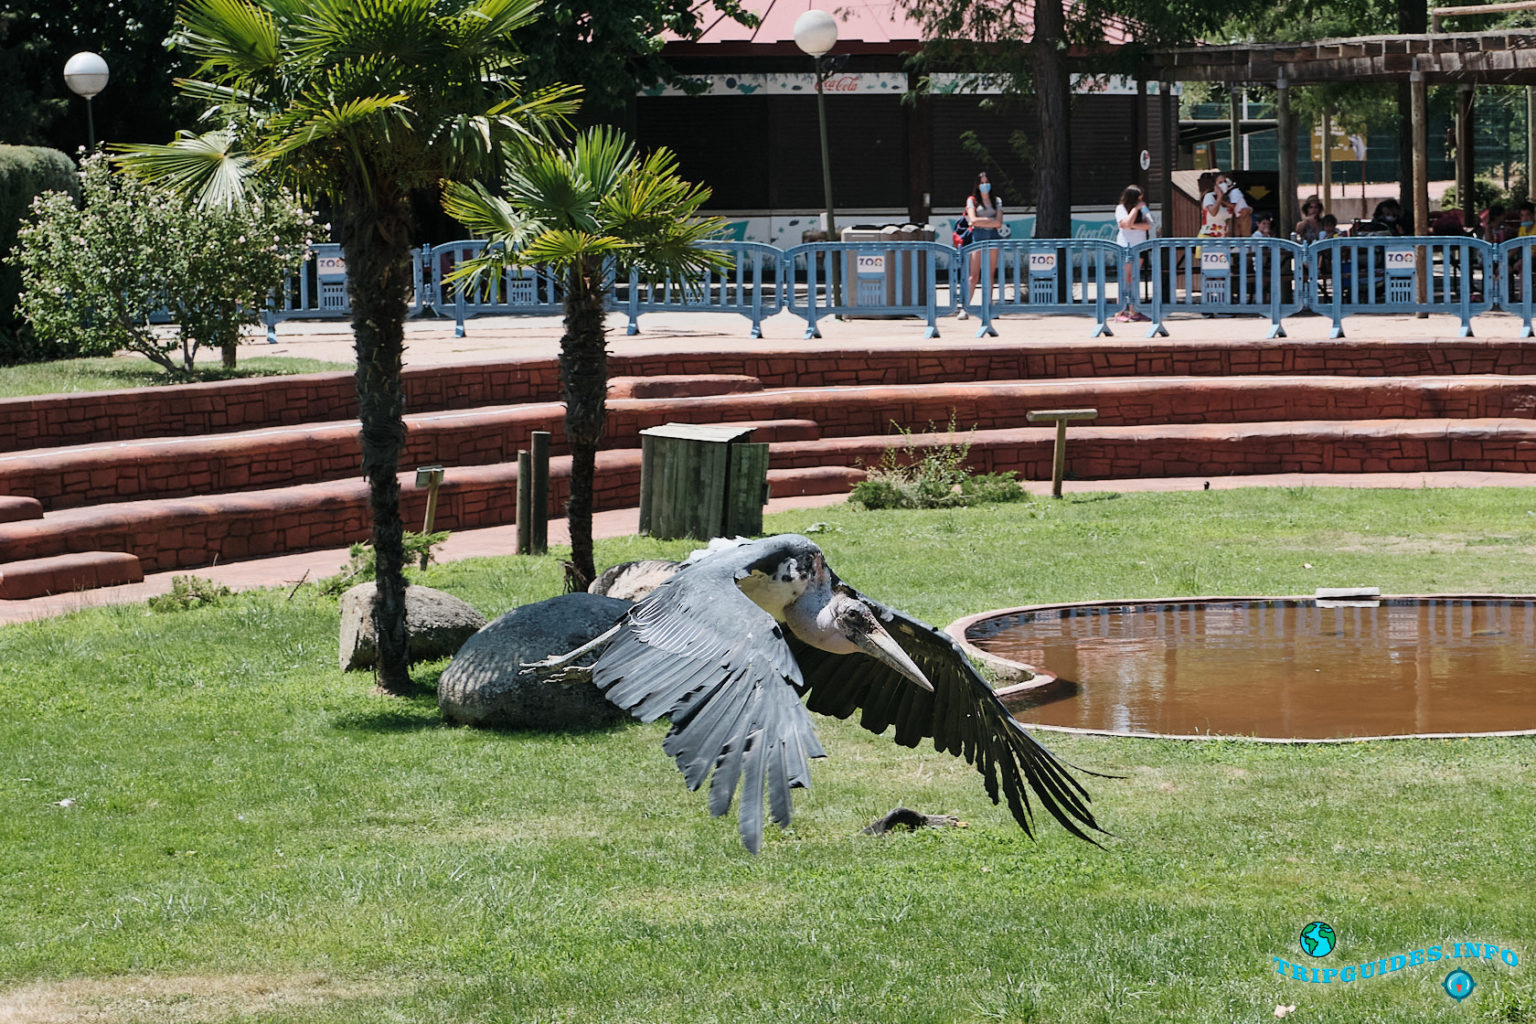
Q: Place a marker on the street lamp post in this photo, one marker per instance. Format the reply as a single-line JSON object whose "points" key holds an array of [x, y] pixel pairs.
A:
{"points": [[816, 34], [86, 75]]}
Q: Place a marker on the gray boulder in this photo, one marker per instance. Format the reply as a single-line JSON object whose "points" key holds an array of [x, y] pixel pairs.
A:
{"points": [[483, 685], [438, 625]]}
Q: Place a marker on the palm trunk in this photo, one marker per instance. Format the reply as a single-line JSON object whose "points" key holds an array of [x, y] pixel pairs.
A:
{"points": [[584, 379], [375, 238], [1053, 172]]}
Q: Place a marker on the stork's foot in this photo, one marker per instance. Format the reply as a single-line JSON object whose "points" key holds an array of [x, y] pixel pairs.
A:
{"points": [[907, 818]]}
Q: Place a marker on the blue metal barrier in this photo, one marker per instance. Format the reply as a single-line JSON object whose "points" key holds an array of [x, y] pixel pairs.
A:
{"points": [[520, 290], [1517, 274], [1061, 275], [869, 279], [751, 285], [1432, 274], [319, 290], [1223, 276]]}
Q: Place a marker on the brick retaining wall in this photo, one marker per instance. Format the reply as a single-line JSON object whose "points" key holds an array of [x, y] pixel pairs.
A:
{"points": [[225, 406]]}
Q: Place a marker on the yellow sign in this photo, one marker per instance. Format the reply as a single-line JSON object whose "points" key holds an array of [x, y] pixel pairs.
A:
{"points": [[1344, 145]]}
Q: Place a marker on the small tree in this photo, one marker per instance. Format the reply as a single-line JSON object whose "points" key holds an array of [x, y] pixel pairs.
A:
{"points": [[95, 274], [574, 210]]}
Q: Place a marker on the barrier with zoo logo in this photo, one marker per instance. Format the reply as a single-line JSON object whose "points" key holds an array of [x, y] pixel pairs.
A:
{"points": [[319, 290], [869, 279], [1435, 274], [1223, 277], [1064, 276]]}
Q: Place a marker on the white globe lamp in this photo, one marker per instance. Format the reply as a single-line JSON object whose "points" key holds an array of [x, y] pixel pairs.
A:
{"points": [[815, 32], [86, 75]]}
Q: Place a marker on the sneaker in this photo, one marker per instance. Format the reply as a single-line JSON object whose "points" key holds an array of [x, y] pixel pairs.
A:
{"points": [[962, 315], [1124, 318], [1140, 318]]}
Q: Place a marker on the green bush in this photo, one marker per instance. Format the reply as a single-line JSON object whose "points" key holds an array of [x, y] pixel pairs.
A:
{"points": [[362, 562], [936, 477], [94, 274], [26, 172]]}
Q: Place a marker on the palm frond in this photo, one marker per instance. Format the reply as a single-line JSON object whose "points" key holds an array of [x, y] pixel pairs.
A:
{"points": [[315, 121], [485, 215], [209, 169], [563, 246], [488, 22], [602, 155], [232, 38]]}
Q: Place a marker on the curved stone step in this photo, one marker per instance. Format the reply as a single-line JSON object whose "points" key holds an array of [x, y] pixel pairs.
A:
{"points": [[680, 385], [63, 574]]}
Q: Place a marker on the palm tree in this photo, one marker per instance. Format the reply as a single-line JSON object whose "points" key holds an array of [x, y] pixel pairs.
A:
{"points": [[362, 102], [584, 211]]}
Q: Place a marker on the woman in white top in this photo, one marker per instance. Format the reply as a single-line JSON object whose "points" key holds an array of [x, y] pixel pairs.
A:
{"points": [[1134, 222], [985, 215]]}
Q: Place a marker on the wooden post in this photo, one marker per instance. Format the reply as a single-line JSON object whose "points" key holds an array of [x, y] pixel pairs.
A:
{"points": [[430, 477], [1168, 113], [1420, 121], [1234, 128], [1285, 126], [1530, 142], [524, 501], [1059, 456], [1465, 141], [538, 531], [1327, 150]]}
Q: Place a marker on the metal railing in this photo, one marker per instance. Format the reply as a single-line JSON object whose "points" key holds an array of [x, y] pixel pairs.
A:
{"points": [[870, 279], [1434, 274], [520, 290], [1223, 277], [1273, 278], [1063, 276], [319, 290], [1516, 275], [752, 285]]}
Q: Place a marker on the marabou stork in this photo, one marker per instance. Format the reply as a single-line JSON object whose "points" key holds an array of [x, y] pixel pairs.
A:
{"points": [[709, 649]]}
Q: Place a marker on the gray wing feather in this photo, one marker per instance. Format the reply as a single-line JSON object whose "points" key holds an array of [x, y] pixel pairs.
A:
{"points": [[698, 651], [962, 716]]}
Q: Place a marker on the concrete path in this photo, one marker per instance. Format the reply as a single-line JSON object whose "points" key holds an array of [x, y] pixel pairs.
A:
{"points": [[431, 343]]}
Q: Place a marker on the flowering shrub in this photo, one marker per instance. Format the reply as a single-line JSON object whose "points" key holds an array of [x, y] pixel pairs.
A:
{"points": [[92, 276]]}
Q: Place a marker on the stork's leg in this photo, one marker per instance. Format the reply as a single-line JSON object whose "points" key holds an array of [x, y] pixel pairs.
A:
{"points": [[560, 668]]}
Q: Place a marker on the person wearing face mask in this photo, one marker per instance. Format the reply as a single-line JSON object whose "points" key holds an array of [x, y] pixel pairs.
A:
{"points": [[1232, 197], [1387, 220], [1527, 220], [985, 214]]}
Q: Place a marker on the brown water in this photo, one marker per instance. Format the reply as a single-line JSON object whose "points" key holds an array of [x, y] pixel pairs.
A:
{"points": [[1280, 668]]}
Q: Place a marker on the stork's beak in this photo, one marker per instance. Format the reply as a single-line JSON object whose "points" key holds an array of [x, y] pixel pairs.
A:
{"points": [[881, 646]]}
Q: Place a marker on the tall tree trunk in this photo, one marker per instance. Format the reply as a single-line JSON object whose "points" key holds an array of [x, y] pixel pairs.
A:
{"points": [[1412, 19], [584, 380], [375, 238], [1053, 170]]}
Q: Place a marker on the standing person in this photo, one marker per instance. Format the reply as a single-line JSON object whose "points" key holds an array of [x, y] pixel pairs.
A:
{"points": [[1242, 213], [985, 214], [1310, 227], [1215, 211], [1135, 224]]}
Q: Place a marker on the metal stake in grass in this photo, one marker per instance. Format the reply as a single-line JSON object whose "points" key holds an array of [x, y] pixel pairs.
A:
{"points": [[1059, 457]]}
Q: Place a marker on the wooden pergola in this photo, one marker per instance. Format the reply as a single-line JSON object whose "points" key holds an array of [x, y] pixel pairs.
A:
{"points": [[1464, 59]]}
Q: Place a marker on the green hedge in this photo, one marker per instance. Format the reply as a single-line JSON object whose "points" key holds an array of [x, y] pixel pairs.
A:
{"points": [[25, 173]]}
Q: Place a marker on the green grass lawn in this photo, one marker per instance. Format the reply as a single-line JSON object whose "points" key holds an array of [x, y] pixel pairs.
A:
{"points": [[254, 837], [64, 376]]}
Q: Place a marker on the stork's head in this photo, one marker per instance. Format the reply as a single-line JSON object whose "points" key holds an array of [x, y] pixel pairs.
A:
{"points": [[861, 626]]}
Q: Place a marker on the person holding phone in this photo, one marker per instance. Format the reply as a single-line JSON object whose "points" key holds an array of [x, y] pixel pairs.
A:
{"points": [[1135, 224], [985, 214]]}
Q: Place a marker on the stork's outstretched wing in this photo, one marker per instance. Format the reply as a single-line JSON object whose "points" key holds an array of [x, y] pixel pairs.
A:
{"points": [[701, 652], [961, 715]]}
